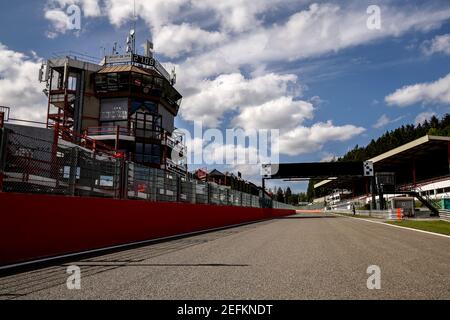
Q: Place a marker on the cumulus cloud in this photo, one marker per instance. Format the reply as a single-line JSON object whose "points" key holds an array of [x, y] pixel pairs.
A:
{"points": [[384, 120], [20, 88], [423, 116], [283, 113], [328, 157], [439, 44], [233, 92], [311, 139], [59, 20], [240, 15], [90, 8], [320, 29], [437, 92], [212, 56], [55, 12], [176, 40]]}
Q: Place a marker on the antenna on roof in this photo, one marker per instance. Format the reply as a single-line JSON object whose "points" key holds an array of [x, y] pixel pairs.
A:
{"points": [[131, 39], [148, 49], [173, 78]]}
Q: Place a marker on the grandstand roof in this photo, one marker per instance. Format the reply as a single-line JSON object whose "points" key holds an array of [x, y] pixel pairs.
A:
{"points": [[424, 151]]}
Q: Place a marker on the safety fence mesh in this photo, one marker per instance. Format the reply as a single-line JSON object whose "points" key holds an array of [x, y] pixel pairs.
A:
{"points": [[39, 165]]}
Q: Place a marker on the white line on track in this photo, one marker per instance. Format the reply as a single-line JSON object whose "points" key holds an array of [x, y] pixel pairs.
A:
{"points": [[395, 226]]}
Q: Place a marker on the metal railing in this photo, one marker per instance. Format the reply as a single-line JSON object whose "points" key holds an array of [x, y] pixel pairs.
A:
{"points": [[36, 165], [444, 214], [109, 130]]}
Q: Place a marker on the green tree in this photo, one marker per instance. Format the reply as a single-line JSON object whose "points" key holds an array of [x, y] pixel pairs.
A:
{"points": [[280, 195]]}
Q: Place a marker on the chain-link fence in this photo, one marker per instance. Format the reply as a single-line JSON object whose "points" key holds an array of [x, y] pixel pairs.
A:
{"points": [[38, 165], [55, 166]]}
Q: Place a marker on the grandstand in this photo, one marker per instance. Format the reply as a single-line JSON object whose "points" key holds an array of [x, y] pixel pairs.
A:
{"points": [[420, 167]]}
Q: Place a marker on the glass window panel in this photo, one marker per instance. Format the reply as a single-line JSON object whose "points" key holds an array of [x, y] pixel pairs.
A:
{"points": [[136, 79], [148, 149], [158, 82], [112, 78], [124, 78], [139, 147], [146, 80], [100, 79], [155, 159], [139, 133]]}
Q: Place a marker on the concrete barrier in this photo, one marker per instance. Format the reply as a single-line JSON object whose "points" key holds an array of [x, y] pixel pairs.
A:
{"points": [[36, 226]]}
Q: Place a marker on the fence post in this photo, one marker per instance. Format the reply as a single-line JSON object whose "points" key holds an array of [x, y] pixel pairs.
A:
{"points": [[178, 187], [123, 179], [3, 155], [73, 170], [149, 184], [194, 191], [54, 165]]}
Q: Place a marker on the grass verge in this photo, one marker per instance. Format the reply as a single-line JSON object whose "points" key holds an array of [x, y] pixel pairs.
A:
{"points": [[437, 226]]}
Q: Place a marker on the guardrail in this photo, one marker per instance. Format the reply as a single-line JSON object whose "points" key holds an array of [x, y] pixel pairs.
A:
{"points": [[380, 214], [444, 215]]}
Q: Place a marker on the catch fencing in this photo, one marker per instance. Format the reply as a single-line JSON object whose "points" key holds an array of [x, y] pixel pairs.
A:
{"points": [[55, 166]]}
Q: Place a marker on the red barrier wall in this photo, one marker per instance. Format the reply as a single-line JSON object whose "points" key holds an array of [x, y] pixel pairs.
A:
{"points": [[39, 226]]}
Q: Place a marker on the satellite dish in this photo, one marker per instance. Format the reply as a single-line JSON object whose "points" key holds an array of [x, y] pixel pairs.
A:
{"points": [[132, 32]]}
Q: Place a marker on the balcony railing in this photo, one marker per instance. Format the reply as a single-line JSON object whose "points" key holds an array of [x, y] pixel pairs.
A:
{"points": [[172, 143], [110, 130]]}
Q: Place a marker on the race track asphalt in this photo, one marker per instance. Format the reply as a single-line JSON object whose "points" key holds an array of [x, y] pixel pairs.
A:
{"points": [[298, 257]]}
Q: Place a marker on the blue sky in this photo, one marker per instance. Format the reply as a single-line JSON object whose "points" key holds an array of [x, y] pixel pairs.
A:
{"points": [[337, 83]]}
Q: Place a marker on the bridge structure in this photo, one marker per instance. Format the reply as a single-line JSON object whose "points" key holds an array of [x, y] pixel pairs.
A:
{"points": [[320, 170], [378, 183]]}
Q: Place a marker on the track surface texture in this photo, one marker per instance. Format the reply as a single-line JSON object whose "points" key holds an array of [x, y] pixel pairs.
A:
{"points": [[304, 256]]}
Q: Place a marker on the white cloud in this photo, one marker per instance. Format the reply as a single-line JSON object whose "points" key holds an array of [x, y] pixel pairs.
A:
{"points": [[59, 20], [433, 92], [315, 31], [283, 113], [237, 37], [55, 12], [439, 44], [310, 139], [421, 117], [90, 8], [319, 29], [20, 88], [384, 120], [231, 92], [239, 15], [328, 157], [176, 40]]}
